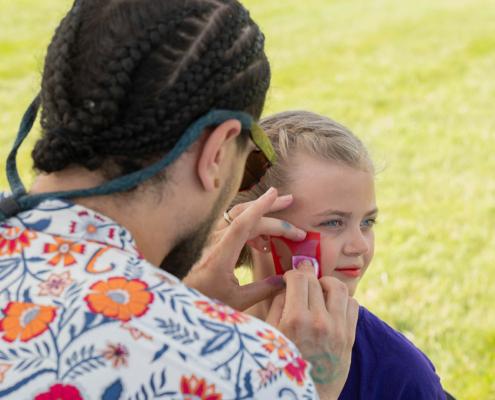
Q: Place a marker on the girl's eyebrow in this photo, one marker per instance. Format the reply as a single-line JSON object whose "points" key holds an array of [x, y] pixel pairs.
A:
{"points": [[343, 213], [374, 211], [334, 212]]}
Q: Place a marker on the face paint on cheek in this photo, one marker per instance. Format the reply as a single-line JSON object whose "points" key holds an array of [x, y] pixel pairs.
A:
{"points": [[283, 251]]}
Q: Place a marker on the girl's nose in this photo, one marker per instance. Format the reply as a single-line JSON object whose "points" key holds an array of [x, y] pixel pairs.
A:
{"points": [[357, 244]]}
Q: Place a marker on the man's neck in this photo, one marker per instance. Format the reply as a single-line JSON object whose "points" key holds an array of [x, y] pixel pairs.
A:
{"points": [[153, 226]]}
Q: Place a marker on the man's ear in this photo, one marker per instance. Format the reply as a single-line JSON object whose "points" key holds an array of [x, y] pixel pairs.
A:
{"points": [[215, 151]]}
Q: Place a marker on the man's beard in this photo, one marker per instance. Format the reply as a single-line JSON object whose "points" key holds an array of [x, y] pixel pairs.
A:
{"points": [[188, 250]]}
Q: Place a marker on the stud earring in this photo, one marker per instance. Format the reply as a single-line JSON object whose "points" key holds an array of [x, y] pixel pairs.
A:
{"points": [[217, 183], [265, 248]]}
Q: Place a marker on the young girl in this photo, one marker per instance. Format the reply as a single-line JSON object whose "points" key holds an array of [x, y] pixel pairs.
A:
{"points": [[331, 177]]}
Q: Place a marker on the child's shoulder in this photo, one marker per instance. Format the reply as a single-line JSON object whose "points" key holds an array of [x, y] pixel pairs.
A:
{"points": [[381, 348], [376, 335], [387, 366]]}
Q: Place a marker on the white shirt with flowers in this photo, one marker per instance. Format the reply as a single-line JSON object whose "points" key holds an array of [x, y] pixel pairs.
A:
{"points": [[84, 316]]}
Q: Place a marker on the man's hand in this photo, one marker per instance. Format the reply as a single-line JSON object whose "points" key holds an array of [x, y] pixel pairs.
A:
{"points": [[214, 275], [320, 318]]}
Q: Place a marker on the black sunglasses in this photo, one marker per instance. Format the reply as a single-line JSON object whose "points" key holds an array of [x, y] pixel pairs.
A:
{"points": [[256, 166]]}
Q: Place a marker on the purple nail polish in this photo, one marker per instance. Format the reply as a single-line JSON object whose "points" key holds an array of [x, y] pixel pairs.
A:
{"points": [[275, 281]]}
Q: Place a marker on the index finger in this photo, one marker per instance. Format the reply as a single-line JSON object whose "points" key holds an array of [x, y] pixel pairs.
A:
{"points": [[315, 293], [352, 316], [337, 296], [240, 228], [297, 290], [281, 203]]}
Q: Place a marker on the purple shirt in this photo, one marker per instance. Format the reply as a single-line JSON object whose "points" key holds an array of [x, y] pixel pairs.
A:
{"points": [[385, 365]]}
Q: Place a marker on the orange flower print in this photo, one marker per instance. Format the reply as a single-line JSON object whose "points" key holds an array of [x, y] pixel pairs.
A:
{"points": [[3, 369], [296, 370], [55, 284], [135, 333], [267, 373], [274, 343], [92, 227], [194, 389], [119, 298], [27, 319], [217, 310], [63, 249], [117, 353], [13, 240]]}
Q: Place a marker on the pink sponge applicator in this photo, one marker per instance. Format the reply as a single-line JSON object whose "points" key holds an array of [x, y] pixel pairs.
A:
{"points": [[297, 259]]}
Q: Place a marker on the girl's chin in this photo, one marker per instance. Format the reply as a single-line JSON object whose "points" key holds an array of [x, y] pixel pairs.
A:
{"points": [[350, 282]]}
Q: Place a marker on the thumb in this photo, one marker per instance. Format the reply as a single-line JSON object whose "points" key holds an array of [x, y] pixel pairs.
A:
{"points": [[255, 292], [276, 310]]}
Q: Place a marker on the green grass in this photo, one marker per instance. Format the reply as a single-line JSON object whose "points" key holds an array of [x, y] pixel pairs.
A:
{"points": [[415, 81]]}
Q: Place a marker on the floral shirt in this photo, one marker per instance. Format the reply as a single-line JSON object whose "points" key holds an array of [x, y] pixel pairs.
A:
{"points": [[84, 316]]}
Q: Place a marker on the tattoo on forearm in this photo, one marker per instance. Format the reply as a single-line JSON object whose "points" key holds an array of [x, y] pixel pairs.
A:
{"points": [[326, 368]]}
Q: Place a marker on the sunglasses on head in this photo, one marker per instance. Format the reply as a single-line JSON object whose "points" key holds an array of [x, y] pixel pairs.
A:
{"points": [[258, 160]]}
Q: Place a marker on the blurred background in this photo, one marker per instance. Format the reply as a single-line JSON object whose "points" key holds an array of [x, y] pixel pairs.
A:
{"points": [[415, 81]]}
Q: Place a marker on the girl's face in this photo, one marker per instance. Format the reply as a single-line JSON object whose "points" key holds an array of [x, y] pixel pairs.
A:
{"points": [[339, 202]]}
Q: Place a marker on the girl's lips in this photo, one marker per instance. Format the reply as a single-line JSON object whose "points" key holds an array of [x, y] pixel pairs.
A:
{"points": [[351, 272]]}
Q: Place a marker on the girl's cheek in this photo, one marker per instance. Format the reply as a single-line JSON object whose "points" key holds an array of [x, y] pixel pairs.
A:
{"points": [[369, 256], [329, 255]]}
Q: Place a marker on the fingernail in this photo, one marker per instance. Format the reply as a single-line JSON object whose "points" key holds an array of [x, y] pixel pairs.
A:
{"points": [[301, 233], [276, 281], [286, 199], [306, 263], [268, 192]]}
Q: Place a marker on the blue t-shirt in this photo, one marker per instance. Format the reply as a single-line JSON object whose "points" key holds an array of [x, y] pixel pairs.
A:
{"points": [[387, 366]]}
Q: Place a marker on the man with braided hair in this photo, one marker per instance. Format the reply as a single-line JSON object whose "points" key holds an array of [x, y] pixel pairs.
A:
{"points": [[148, 115]]}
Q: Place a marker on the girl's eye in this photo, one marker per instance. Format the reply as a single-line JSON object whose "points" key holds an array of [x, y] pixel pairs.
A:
{"points": [[332, 223], [369, 222]]}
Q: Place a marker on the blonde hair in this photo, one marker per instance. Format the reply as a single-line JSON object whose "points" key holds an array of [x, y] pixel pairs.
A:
{"points": [[293, 132]]}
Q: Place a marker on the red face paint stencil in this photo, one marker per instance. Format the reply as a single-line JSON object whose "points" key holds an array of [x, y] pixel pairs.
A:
{"points": [[284, 249]]}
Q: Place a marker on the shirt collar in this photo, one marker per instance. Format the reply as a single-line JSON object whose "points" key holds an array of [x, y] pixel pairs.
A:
{"points": [[63, 218]]}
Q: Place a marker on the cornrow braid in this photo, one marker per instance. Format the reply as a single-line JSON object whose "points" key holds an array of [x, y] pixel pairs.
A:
{"points": [[148, 118], [117, 83], [124, 79], [238, 100], [186, 101], [55, 101], [103, 103], [58, 66]]}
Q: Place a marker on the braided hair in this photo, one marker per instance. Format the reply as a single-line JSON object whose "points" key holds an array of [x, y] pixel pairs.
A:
{"points": [[123, 79]]}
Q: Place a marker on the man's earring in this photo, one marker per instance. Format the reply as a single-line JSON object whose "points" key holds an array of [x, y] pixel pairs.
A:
{"points": [[217, 183]]}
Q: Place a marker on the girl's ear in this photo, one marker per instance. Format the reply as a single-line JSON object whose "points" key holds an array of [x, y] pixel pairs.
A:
{"points": [[260, 243]]}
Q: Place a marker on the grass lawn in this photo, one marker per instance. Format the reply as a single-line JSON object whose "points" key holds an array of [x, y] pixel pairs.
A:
{"points": [[415, 80]]}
